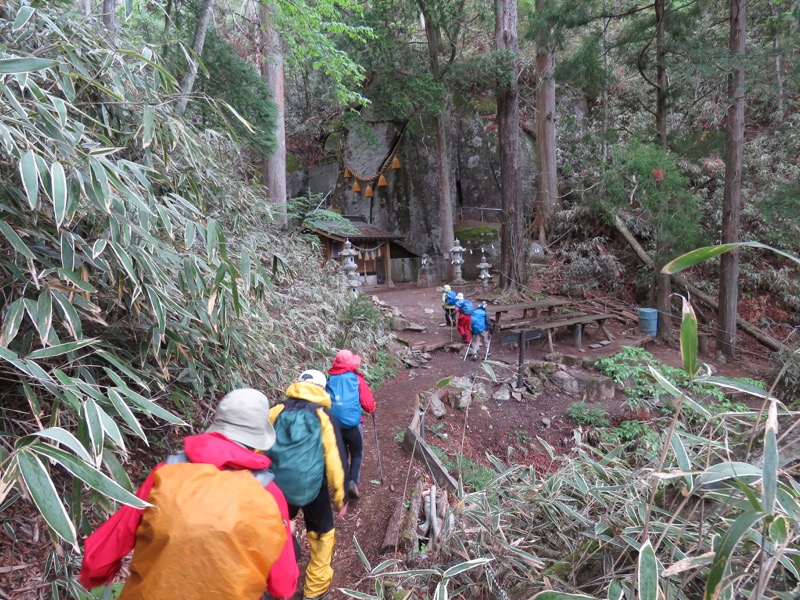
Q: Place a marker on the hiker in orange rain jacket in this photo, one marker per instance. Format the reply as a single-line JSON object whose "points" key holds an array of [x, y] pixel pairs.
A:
{"points": [[218, 471]]}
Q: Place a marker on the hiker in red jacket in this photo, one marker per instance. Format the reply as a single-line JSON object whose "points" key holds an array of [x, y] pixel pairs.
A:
{"points": [[350, 394], [164, 566]]}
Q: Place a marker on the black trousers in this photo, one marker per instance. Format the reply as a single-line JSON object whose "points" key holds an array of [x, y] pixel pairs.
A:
{"points": [[318, 514]]}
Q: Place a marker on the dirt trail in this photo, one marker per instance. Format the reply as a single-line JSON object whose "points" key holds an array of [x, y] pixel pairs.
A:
{"points": [[505, 429], [489, 430]]}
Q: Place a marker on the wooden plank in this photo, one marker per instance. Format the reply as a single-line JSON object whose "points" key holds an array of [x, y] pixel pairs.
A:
{"points": [[415, 445], [513, 338], [520, 323], [567, 322], [546, 303]]}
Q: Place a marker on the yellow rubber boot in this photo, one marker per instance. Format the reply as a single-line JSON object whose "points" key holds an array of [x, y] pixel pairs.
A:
{"points": [[319, 573]]}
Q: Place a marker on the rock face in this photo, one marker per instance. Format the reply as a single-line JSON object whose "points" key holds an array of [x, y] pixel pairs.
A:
{"points": [[409, 204], [593, 388]]}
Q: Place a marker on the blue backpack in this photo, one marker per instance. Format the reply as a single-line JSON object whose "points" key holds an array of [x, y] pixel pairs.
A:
{"points": [[467, 307], [345, 402], [450, 298], [297, 459], [478, 320]]}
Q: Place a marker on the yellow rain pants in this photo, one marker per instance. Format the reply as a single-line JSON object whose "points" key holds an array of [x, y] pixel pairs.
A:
{"points": [[319, 574]]}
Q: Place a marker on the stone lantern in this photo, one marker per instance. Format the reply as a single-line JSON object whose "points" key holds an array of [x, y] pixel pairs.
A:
{"points": [[349, 267], [484, 267], [457, 252]]}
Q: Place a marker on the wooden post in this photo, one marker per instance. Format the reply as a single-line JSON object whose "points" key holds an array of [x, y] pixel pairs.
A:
{"points": [[576, 335], [521, 357], [550, 340], [605, 331], [388, 265]]}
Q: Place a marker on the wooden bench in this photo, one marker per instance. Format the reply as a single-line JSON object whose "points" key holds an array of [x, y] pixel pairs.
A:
{"points": [[549, 303], [577, 323], [521, 323]]}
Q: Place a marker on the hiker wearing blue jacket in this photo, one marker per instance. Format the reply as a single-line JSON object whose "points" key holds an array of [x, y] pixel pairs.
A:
{"points": [[449, 306], [350, 394], [481, 329]]}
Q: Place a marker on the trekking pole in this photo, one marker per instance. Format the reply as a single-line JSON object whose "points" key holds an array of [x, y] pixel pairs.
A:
{"points": [[467, 352], [488, 345], [377, 447]]}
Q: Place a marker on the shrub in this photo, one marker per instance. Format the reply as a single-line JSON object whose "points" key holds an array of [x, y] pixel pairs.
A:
{"points": [[586, 414]]}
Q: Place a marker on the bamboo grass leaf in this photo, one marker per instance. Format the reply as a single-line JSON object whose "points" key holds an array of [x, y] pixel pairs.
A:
{"points": [[60, 435], [15, 241], [44, 495], [647, 573], [770, 476], [688, 338], [58, 192], [12, 322], [30, 176], [89, 475], [23, 16], [25, 65], [701, 254], [715, 583]]}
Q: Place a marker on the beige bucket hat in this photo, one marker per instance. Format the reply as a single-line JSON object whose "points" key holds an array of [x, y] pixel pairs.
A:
{"points": [[243, 416]]}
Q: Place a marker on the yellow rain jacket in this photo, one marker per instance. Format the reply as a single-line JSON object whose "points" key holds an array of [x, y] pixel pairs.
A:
{"points": [[332, 444]]}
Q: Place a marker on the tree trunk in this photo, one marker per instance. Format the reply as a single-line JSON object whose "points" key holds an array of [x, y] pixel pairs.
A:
{"points": [[187, 83], [513, 273], [547, 194], [448, 239], [442, 125], [86, 7], [661, 76], [732, 199], [273, 171], [109, 15]]}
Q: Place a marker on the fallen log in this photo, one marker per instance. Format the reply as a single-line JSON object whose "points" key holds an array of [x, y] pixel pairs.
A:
{"points": [[746, 326], [409, 538], [392, 537]]}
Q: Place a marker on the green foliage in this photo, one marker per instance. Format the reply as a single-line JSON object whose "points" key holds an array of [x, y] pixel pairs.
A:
{"points": [[437, 429], [636, 431], [475, 236], [646, 175], [312, 35], [782, 212], [305, 211], [588, 414], [238, 83], [584, 68], [137, 275]]}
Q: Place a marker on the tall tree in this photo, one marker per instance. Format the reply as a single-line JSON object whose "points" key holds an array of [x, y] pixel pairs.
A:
{"points": [[513, 272], [189, 77], [273, 171], [436, 48], [732, 199], [109, 15], [547, 194]]}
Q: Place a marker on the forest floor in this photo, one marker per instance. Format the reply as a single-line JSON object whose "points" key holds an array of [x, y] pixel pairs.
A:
{"points": [[507, 430]]}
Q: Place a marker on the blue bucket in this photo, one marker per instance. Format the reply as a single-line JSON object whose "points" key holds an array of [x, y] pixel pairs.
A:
{"points": [[648, 321]]}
